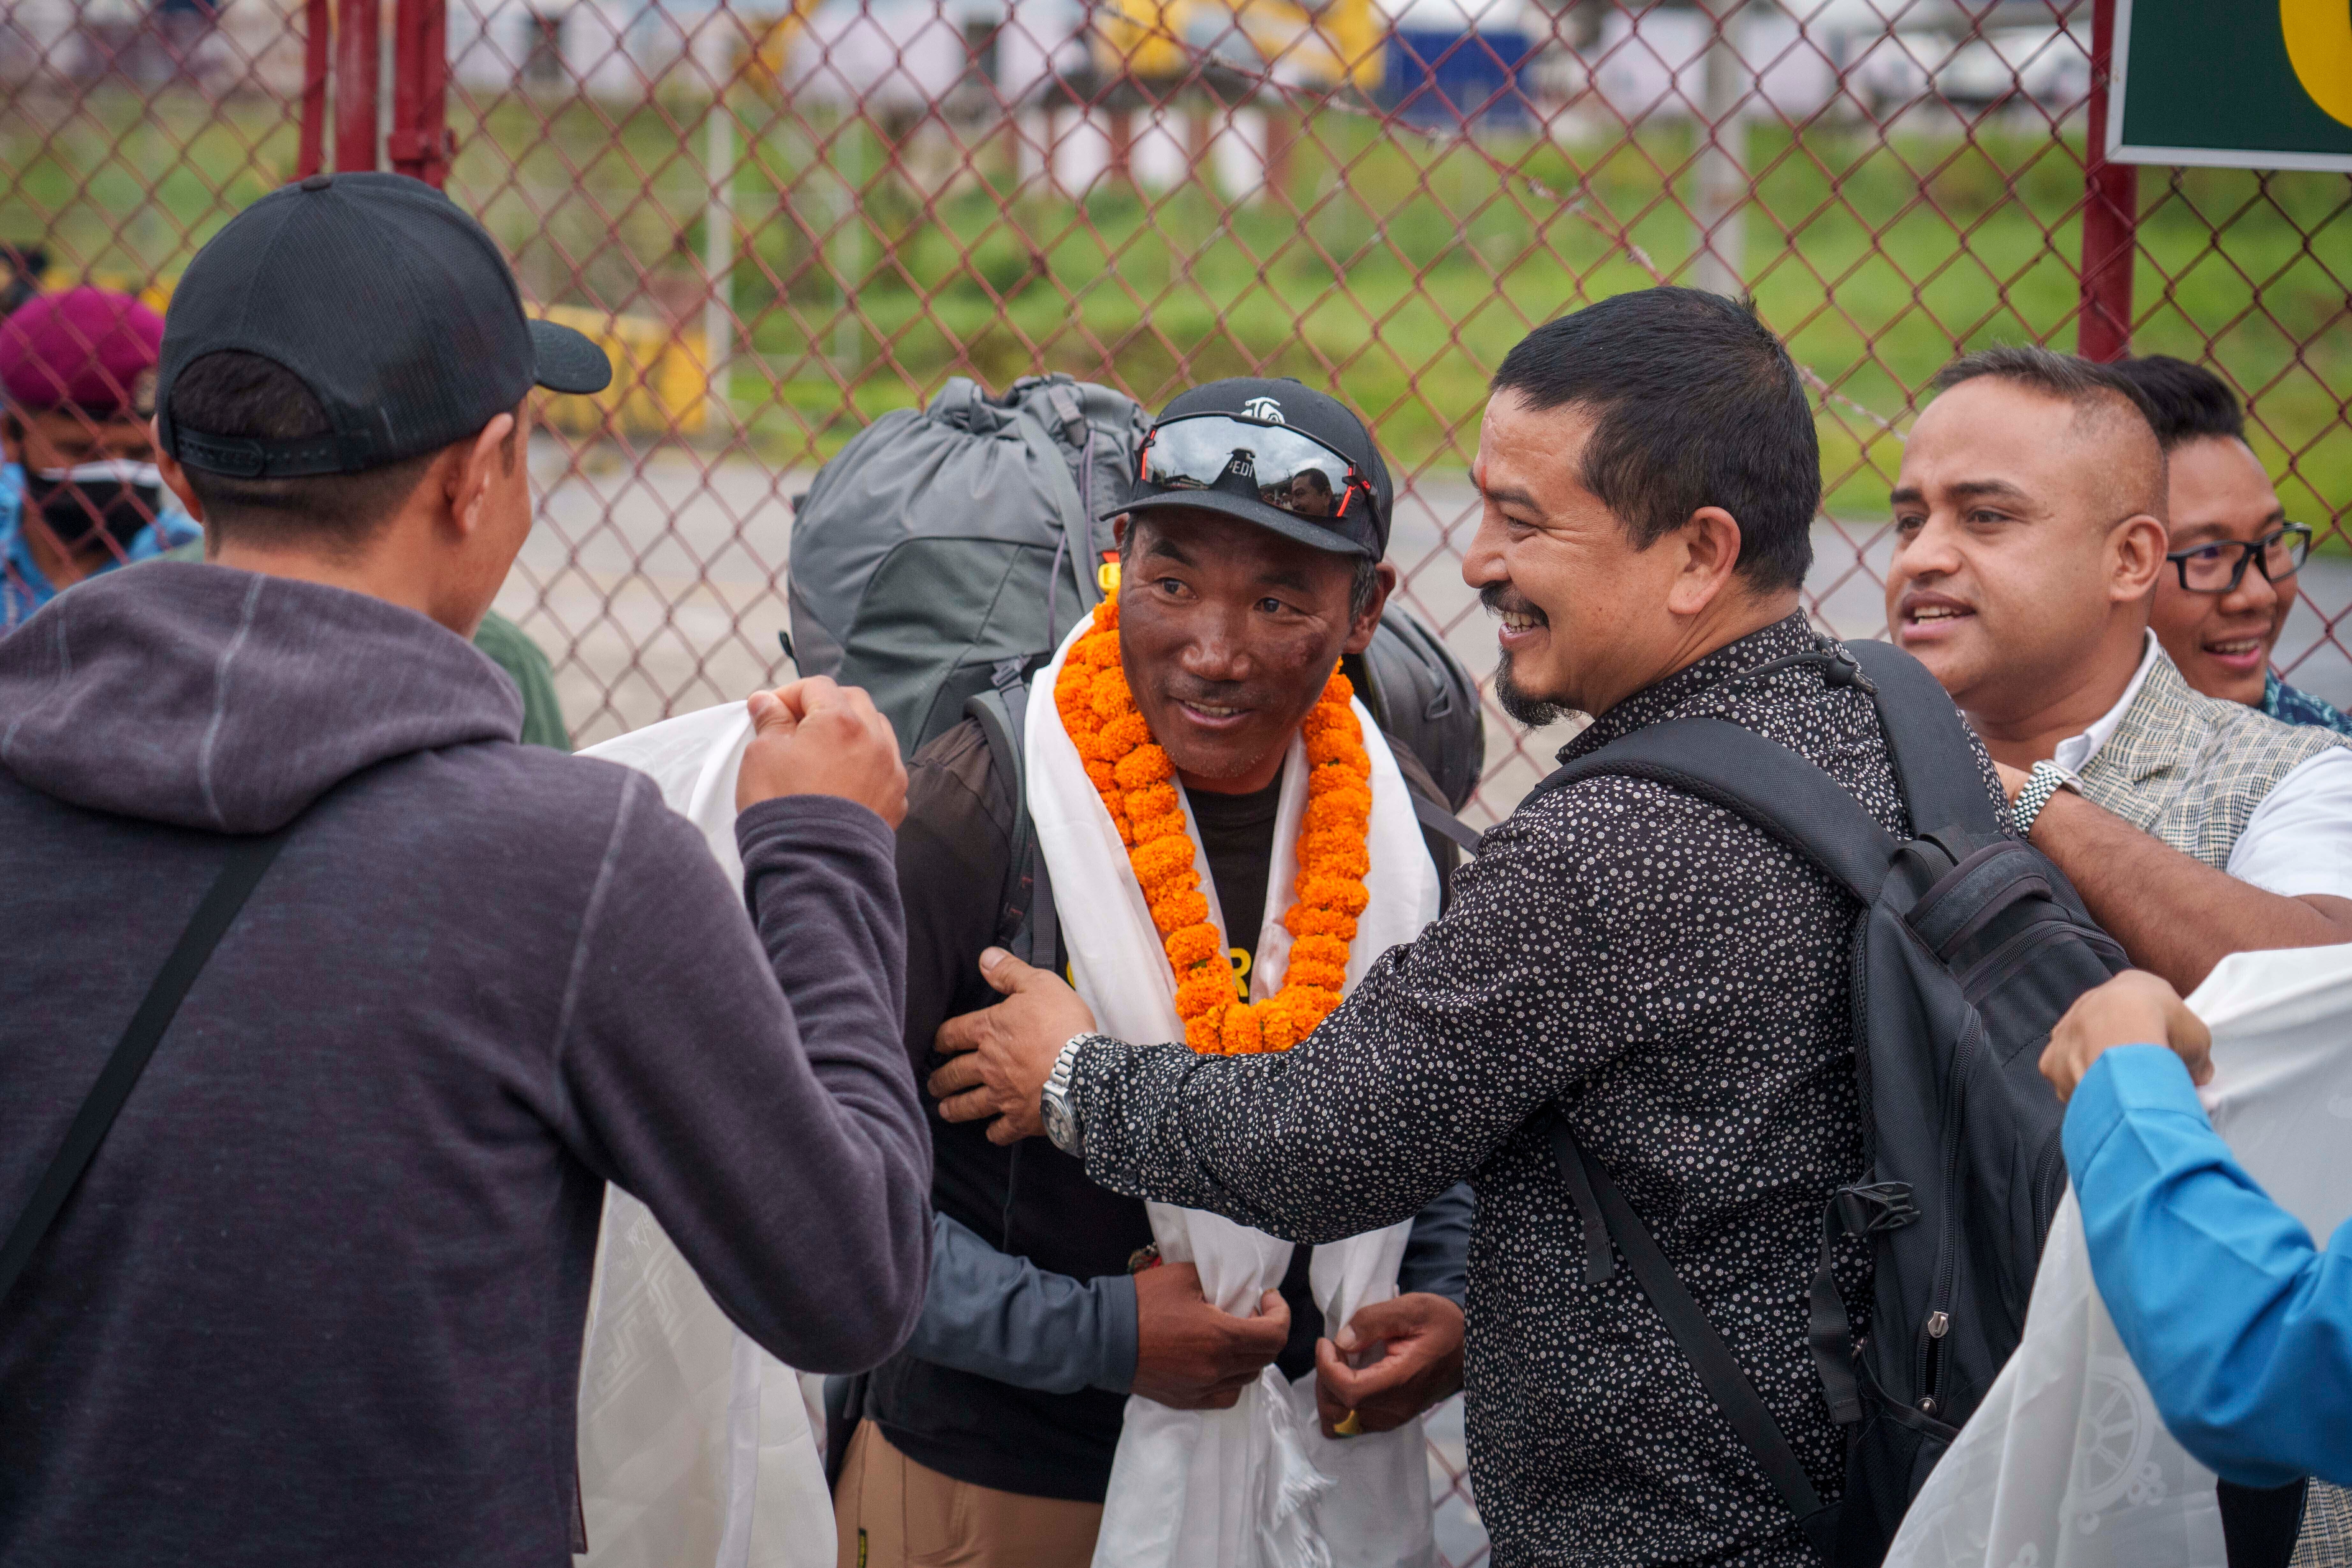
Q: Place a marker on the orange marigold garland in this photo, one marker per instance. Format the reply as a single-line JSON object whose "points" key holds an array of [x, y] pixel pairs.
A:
{"points": [[1137, 783]]}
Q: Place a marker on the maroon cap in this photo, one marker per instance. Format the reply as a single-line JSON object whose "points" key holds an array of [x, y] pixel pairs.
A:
{"points": [[85, 347]]}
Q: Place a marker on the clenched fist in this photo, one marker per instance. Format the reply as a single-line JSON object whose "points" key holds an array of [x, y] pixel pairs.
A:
{"points": [[2133, 1008], [814, 737], [1191, 1356]]}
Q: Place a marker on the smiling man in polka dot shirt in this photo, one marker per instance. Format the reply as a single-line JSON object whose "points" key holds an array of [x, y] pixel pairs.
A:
{"points": [[1642, 961]]}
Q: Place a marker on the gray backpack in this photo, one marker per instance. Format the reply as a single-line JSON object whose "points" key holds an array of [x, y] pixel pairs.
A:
{"points": [[944, 555], [943, 552]]}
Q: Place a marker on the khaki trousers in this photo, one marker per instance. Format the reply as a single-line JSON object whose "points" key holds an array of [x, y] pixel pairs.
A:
{"points": [[895, 1514]]}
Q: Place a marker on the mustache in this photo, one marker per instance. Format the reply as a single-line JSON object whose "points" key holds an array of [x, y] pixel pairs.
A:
{"points": [[1502, 598], [1234, 694]]}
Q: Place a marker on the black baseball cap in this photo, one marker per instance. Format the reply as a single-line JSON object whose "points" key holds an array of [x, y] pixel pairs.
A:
{"points": [[1232, 448], [389, 302]]}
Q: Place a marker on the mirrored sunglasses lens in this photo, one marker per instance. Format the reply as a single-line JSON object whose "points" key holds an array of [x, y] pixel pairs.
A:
{"points": [[1290, 470]]}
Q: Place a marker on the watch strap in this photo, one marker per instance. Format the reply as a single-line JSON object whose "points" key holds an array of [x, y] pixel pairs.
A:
{"points": [[1056, 1089], [2046, 780]]}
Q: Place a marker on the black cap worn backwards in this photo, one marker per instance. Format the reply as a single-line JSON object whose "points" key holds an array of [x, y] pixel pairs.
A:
{"points": [[391, 304], [1359, 530]]}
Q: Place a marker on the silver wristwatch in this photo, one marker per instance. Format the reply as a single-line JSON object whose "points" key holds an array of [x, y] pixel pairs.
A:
{"points": [[1059, 1112], [2046, 780]]}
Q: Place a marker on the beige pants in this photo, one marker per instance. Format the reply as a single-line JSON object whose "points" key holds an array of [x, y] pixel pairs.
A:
{"points": [[895, 1514]]}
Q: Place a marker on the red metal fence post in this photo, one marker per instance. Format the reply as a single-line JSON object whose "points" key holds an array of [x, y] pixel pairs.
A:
{"points": [[419, 143], [2110, 214], [433, 95], [317, 31], [359, 63], [1358, 223]]}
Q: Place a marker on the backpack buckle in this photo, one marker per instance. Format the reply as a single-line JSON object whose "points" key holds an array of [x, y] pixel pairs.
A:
{"points": [[1870, 1208], [1844, 669]]}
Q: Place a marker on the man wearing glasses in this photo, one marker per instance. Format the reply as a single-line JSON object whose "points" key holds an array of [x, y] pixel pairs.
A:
{"points": [[2029, 543], [2225, 596], [2030, 550]]}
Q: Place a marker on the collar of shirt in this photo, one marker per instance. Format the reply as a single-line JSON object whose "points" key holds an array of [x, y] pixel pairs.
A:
{"points": [[1652, 703], [2075, 751]]}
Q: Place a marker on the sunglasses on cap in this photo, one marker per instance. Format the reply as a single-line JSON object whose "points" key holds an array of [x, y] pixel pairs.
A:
{"points": [[1273, 464]]}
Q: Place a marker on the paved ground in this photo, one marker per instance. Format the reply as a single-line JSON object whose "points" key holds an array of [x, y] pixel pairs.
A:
{"points": [[658, 588]]}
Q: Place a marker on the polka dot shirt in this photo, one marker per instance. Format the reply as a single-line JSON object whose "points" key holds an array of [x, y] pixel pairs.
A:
{"points": [[1673, 981]]}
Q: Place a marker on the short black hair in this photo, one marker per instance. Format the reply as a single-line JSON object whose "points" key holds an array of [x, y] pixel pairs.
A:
{"points": [[231, 393], [1695, 404], [2185, 402], [2068, 377]]}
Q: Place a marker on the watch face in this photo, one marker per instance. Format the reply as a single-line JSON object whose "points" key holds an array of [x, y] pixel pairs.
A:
{"points": [[1058, 1125]]}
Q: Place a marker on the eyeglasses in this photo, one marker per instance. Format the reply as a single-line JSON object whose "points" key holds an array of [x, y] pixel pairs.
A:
{"points": [[2220, 566], [1277, 464]]}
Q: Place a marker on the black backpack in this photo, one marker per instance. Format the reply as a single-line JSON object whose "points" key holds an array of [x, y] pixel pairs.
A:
{"points": [[1420, 693], [1967, 946]]}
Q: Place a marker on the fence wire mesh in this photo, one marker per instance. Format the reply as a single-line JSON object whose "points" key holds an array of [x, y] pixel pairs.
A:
{"points": [[787, 215], [787, 219]]}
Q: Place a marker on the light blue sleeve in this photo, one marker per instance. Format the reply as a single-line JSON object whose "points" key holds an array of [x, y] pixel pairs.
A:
{"points": [[2241, 1327], [1002, 1317]]}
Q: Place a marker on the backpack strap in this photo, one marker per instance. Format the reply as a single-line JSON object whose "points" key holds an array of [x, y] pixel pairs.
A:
{"points": [[1930, 745], [1760, 781], [1439, 820], [1029, 926], [1718, 1371], [1770, 787], [248, 859]]}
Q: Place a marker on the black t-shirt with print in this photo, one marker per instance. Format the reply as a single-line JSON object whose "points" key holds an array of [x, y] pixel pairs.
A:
{"points": [[1237, 837]]}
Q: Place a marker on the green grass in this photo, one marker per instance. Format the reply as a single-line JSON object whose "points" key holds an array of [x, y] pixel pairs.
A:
{"points": [[1397, 272]]}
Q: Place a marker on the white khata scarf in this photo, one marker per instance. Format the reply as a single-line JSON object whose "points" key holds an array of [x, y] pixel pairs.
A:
{"points": [[696, 1446], [2067, 1464], [1257, 1485]]}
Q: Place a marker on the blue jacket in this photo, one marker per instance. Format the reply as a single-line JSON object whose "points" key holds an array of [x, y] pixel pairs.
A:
{"points": [[2240, 1326], [24, 588]]}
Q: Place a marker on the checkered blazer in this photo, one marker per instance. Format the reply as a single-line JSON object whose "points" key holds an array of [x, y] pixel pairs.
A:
{"points": [[2190, 769]]}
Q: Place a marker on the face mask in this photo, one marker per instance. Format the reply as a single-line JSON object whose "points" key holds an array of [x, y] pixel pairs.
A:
{"points": [[115, 496]]}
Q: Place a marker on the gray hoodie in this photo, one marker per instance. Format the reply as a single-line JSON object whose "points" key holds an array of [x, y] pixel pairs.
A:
{"points": [[320, 1297]]}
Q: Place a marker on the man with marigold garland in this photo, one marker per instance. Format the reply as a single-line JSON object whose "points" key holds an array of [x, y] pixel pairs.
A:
{"points": [[991, 1439], [1641, 964]]}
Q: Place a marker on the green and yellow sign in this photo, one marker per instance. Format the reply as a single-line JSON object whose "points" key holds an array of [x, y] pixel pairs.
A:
{"points": [[2252, 84]]}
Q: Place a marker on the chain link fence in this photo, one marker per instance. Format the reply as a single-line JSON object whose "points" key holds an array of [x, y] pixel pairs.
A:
{"points": [[787, 219], [786, 216]]}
